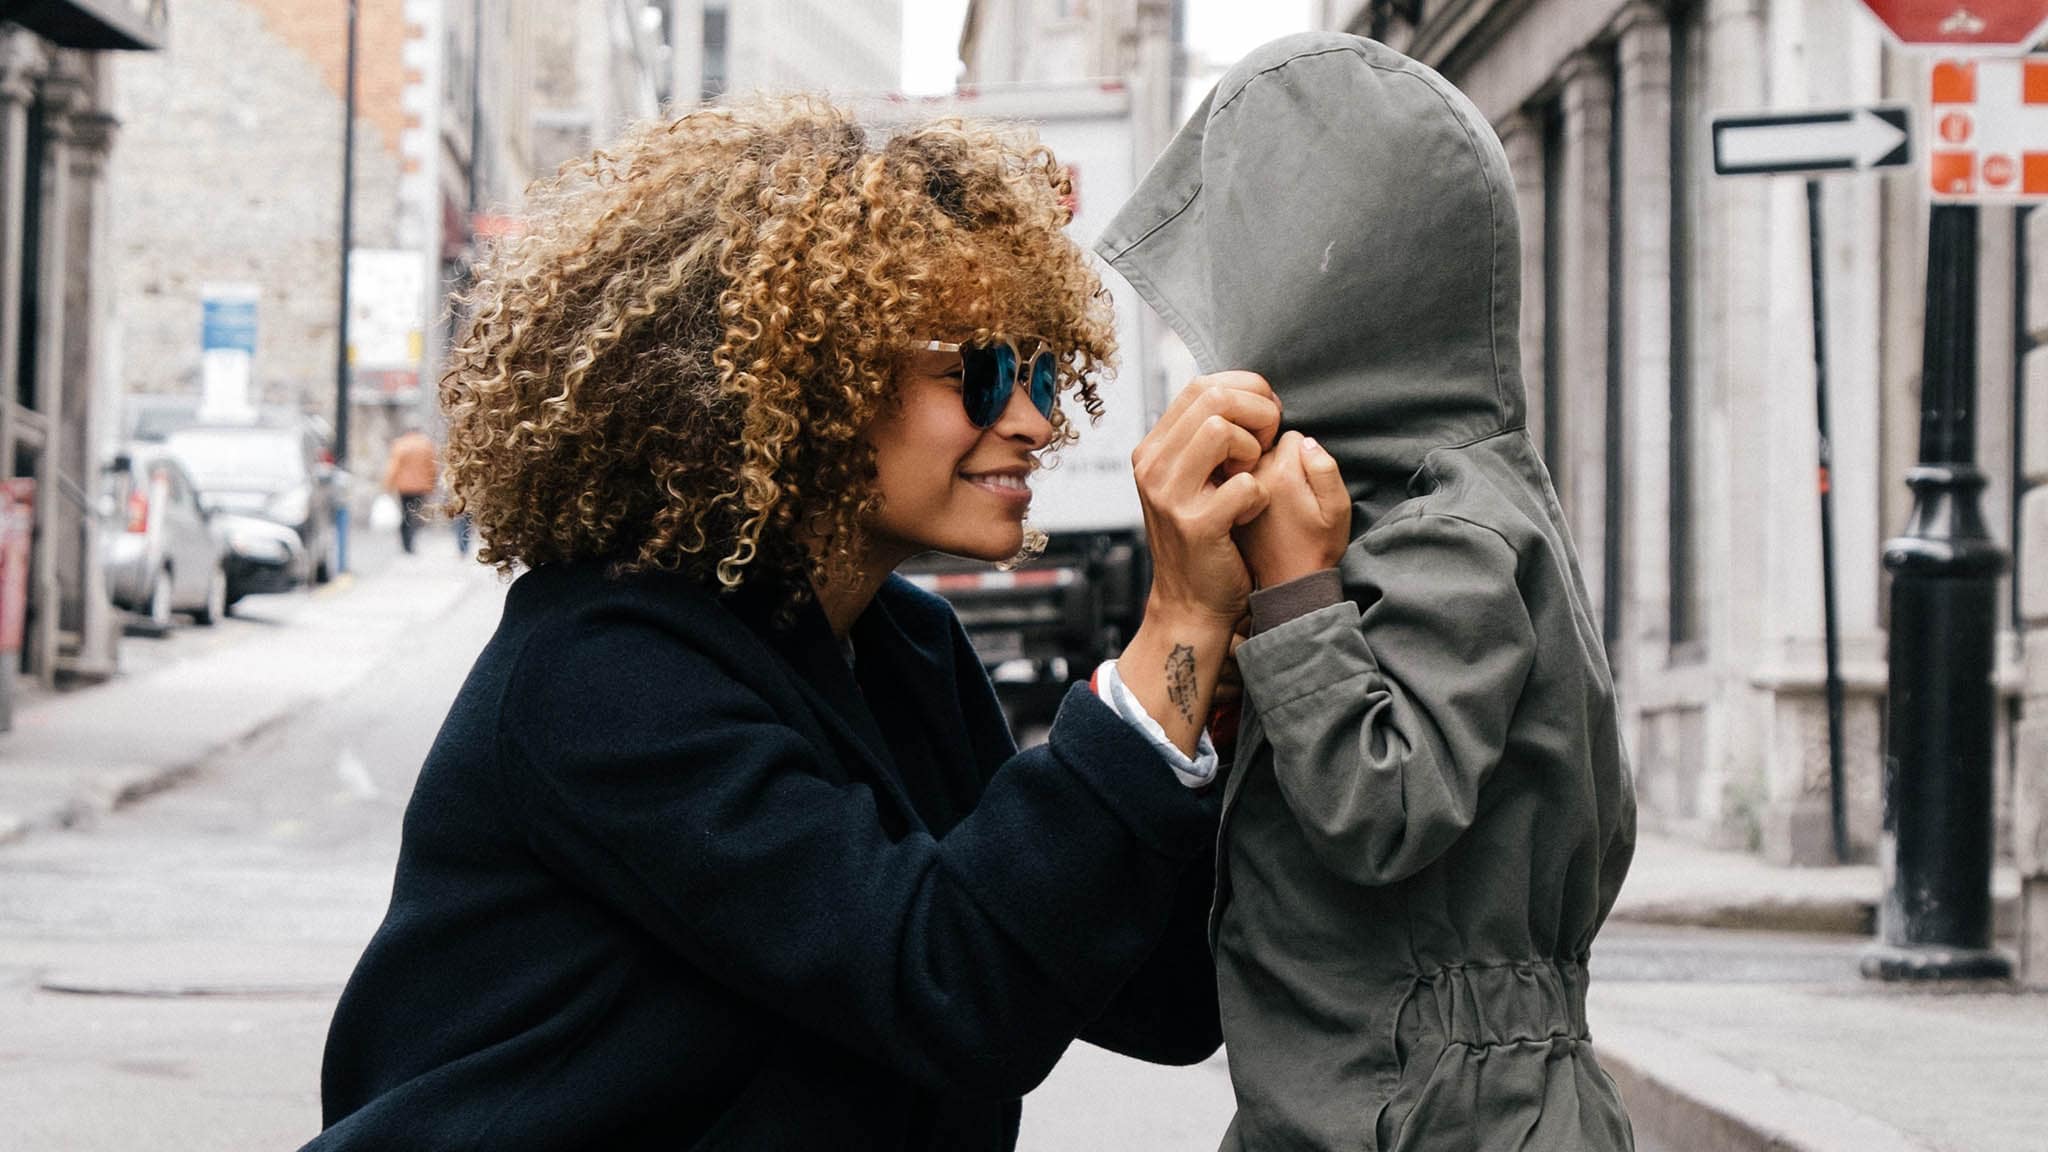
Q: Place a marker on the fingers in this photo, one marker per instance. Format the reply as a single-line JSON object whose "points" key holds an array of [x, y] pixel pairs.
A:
{"points": [[1240, 500], [1243, 398], [1175, 433], [1283, 462], [1248, 382], [1325, 480]]}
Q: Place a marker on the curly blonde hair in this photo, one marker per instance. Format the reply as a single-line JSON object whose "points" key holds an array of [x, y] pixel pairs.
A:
{"points": [[670, 367]]}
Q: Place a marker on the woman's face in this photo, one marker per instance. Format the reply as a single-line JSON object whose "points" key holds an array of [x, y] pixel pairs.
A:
{"points": [[946, 485]]}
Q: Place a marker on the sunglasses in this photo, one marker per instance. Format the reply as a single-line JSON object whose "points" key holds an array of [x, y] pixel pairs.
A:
{"points": [[988, 372]]}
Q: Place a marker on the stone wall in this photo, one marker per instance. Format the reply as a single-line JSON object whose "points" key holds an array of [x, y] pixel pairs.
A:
{"points": [[228, 168]]}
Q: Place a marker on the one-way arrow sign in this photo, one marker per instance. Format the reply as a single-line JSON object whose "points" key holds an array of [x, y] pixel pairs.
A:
{"points": [[1836, 140]]}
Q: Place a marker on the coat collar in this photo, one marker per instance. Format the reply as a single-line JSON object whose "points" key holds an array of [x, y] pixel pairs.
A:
{"points": [[825, 681]]}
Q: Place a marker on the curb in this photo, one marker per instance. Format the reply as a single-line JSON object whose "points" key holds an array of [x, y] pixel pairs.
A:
{"points": [[97, 794], [1850, 917], [110, 791], [1828, 917], [1685, 1097]]}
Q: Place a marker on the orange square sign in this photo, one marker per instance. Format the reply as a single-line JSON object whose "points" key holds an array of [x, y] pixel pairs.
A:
{"points": [[1989, 121]]}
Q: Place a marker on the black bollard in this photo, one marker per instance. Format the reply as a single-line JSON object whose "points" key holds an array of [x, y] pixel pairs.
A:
{"points": [[1936, 919]]}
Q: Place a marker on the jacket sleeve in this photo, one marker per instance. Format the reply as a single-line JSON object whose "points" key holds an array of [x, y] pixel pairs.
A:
{"points": [[653, 779], [1386, 719], [1167, 1013]]}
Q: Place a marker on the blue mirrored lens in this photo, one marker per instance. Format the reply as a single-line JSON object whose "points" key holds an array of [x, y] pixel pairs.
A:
{"points": [[1045, 378], [985, 378]]}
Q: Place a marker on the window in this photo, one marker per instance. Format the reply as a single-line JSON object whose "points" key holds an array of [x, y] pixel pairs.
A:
{"points": [[1553, 291], [715, 52], [1682, 564], [32, 225], [1614, 463]]}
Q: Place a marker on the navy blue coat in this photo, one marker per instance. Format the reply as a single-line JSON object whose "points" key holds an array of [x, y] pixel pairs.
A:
{"points": [[674, 878]]}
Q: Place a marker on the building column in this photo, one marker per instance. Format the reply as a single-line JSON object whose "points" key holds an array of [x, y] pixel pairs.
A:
{"points": [[1733, 379], [1522, 137], [1643, 51], [89, 400], [1585, 222], [62, 96], [2030, 755]]}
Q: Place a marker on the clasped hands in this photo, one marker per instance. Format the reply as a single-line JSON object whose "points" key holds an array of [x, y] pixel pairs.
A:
{"points": [[1230, 505]]}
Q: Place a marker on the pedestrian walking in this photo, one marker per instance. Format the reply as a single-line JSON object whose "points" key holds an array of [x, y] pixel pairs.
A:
{"points": [[1430, 813], [411, 474], [725, 843]]}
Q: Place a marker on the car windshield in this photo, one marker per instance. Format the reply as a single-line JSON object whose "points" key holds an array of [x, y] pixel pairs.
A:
{"points": [[239, 457]]}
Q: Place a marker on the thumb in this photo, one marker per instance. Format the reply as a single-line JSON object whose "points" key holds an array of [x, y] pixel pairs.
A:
{"points": [[1324, 478]]}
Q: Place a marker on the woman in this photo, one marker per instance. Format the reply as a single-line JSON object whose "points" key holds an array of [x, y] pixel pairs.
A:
{"points": [[725, 843]]}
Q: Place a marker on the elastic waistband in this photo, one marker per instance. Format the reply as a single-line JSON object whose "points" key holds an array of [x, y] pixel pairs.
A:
{"points": [[1488, 1004]]}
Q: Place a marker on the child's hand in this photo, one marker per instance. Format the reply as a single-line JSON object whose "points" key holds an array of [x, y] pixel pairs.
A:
{"points": [[1307, 525]]}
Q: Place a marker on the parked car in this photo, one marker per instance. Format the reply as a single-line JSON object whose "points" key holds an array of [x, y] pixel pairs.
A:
{"points": [[262, 556], [276, 473], [161, 554]]}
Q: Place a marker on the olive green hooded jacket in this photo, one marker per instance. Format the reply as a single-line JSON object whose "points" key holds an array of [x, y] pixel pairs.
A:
{"points": [[1430, 812]]}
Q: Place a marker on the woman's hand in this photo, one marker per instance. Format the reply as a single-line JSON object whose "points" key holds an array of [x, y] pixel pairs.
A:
{"points": [[1196, 484], [1307, 522], [1195, 481]]}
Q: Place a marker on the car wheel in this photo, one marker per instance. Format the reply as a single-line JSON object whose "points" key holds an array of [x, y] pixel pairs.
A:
{"points": [[216, 599], [160, 601]]}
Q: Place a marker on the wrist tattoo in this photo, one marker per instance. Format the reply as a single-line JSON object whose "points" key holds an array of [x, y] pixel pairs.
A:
{"points": [[1180, 680]]}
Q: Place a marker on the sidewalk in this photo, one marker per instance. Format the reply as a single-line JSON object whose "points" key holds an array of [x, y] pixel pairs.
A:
{"points": [[1672, 882], [73, 756], [1812, 1067]]}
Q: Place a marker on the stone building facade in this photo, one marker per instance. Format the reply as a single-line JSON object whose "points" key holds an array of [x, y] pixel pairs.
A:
{"points": [[713, 48], [1667, 345], [1131, 41], [231, 172], [58, 128]]}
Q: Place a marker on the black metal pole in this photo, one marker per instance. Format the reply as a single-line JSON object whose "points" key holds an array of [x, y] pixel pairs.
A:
{"points": [[341, 357], [1838, 820], [1935, 922]]}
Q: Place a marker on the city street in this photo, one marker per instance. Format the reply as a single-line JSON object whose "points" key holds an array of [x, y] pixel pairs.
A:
{"points": [[168, 972], [1766, 616]]}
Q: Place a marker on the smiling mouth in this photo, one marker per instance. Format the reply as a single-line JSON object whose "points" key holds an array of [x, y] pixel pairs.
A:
{"points": [[1011, 484]]}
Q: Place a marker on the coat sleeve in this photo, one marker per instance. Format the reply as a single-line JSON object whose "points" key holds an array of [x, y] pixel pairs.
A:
{"points": [[1386, 719], [1166, 1013], [651, 778]]}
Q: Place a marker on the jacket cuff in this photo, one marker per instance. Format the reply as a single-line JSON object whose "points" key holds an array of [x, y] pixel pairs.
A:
{"points": [[1126, 773], [1272, 607]]}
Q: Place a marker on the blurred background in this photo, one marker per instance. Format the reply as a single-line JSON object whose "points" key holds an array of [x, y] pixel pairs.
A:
{"points": [[229, 234]]}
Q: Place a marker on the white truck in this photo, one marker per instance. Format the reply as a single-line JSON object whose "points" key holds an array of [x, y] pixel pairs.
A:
{"points": [[1051, 621]]}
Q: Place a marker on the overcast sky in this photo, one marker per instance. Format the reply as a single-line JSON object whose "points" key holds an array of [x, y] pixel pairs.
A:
{"points": [[1218, 30]]}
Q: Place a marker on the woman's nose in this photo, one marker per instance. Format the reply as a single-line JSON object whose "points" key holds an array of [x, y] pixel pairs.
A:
{"points": [[1021, 420]]}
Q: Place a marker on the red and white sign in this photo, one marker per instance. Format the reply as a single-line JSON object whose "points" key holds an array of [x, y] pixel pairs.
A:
{"points": [[1963, 26], [1989, 121]]}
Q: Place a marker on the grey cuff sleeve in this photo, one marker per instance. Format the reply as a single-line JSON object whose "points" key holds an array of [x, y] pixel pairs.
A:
{"points": [[1272, 607]]}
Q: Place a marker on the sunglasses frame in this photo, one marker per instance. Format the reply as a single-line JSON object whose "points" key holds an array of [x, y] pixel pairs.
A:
{"points": [[1000, 402]]}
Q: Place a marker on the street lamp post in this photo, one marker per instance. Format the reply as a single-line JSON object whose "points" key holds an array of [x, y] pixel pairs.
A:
{"points": [[1935, 922], [341, 357]]}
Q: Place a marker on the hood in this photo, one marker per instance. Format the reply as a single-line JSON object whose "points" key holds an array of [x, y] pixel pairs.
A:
{"points": [[1339, 219]]}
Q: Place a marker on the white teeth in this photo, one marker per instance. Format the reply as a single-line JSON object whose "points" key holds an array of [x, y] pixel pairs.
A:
{"points": [[1001, 480]]}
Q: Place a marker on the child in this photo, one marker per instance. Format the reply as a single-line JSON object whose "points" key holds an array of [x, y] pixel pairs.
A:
{"points": [[1430, 811]]}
